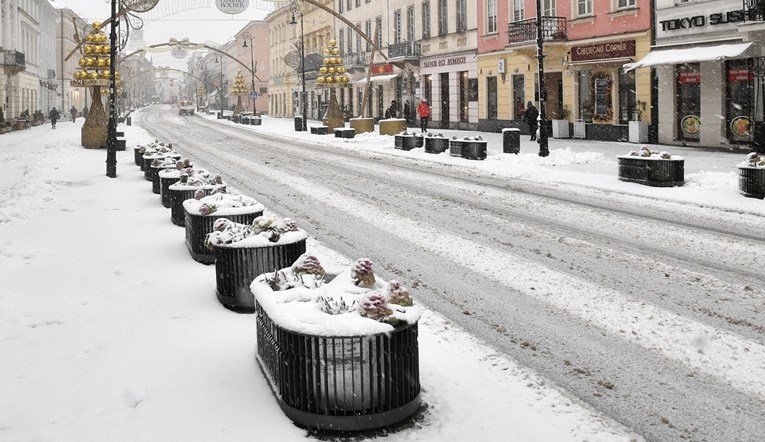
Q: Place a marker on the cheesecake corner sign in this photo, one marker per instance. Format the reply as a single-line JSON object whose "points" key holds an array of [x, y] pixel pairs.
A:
{"points": [[232, 6]]}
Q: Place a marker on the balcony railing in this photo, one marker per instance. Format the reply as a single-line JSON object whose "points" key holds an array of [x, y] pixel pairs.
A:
{"points": [[553, 29], [754, 10], [405, 49], [14, 59]]}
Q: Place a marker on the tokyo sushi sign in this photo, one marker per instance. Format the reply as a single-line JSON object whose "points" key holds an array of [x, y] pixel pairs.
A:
{"points": [[232, 6]]}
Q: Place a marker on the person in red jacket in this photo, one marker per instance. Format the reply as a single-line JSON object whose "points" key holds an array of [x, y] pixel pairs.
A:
{"points": [[423, 110]]}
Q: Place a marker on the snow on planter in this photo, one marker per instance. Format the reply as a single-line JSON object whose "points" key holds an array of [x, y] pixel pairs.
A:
{"points": [[160, 164], [354, 333], [201, 214], [190, 181], [652, 168], [153, 152], [751, 176], [244, 251]]}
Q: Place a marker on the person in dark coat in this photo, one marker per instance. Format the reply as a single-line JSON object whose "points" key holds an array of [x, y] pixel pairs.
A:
{"points": [[530, 116], [54, 116], [73, 113], [392, 111]]}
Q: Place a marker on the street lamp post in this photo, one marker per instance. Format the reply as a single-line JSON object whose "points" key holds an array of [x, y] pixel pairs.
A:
{"points": [[543, 145], [220, 84], [247, 36], [111, 130], [294, 10]]}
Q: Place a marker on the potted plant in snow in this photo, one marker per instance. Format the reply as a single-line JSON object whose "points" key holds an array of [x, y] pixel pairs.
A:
{"points": [[339, 351], [244, 251], [751, 176], [191, 180], [160, 164], [161, 152], [471, 148], [405, 141], [638, 129], [202, 211], [170, 176], [560, 123], [659, 169], [436, 143]]}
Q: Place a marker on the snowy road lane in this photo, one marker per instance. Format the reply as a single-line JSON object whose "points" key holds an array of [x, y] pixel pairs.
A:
{"points": [[653, 335]]}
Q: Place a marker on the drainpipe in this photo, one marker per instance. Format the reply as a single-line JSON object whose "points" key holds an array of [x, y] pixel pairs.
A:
{"points": [[62, 60], [653, 132]]}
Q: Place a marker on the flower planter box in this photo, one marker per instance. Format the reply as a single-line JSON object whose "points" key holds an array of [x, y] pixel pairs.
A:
{"points": [[339, 354], [198, 225], [167, 178], [656, 172], [419, 140], [345, 133], [147, 160], [404, 142], [511, 140], [138, 156], [320, 130], [471, 149], [341, 383], [155, 184], [751, 181], [392, 126], [436, 144], [236, 266], [178, 194], [255, 121]]}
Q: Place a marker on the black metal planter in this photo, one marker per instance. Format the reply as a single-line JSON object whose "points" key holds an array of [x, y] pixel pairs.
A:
{"points": [[474, 150], [405, 142], [155, 185], [237, 267], [751, 181], [455, 147], [147, 160], [164, 187], [652, 172], [177, 197], [138, 157], [198, 226], [341, 383], [419, 140], [436, 144]]}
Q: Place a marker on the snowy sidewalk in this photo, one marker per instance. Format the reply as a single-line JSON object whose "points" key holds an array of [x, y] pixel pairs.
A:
{"points": [[110, 331]]}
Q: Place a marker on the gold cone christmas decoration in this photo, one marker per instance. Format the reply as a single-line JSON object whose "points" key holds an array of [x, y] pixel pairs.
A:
{"points": [[332, 73], [94, 63], [239, 87]]}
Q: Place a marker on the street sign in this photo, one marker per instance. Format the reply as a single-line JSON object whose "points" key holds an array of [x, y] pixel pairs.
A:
{"points": [[253, 95]]}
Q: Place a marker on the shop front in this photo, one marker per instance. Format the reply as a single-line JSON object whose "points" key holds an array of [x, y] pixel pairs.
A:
{"points": [[710, 77], [605, 96], [450, 84]]}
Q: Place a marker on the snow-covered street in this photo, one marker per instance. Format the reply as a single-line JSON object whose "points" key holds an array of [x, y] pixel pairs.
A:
{"points": [[563, 304]]}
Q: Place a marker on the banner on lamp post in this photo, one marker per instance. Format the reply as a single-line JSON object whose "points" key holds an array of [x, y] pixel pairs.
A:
{"points": [[232, 6]]}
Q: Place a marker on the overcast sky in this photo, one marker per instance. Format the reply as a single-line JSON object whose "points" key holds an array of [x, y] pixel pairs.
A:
{"points": [[199, 25]]}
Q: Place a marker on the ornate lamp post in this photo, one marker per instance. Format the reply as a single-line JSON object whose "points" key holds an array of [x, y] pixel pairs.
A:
{"points": [[253, 95], [543, 145], [294, 10], [219, 59]]}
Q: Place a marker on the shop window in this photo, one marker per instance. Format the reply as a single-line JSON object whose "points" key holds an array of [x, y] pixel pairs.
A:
{"points": [[491, 98], [586, 106], [519, 96], [688, 78], [464, 97], [742, 98], [627, 97]]}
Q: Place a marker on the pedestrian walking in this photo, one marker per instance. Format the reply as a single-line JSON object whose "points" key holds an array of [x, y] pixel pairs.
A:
{"points": [[85, 111], [423, 110], [54, 116], [73, 112], [530, 116]]}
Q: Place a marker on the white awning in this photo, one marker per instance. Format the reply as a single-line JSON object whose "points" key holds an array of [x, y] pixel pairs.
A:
{"points": [[696, 54], [377, 78]]}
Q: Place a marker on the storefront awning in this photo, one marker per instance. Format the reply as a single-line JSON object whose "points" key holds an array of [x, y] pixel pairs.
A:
{"points": [[697, 54], [377, 78]]}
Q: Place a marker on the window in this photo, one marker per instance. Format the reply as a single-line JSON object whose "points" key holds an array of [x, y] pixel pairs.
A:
{"points": [[461, 15], [410, 23], [583, 7], [491, 16], [350, 40], [443, 18], [368, 30], [688, 97], [341, 6], [397, 26], [425, 20], [548, 8], [623, 4], [358, 3], [378, 29], [518, 12], [491, 98], [586, 106], [627, 109], [349, 5], [341, 40], [359, 48]]}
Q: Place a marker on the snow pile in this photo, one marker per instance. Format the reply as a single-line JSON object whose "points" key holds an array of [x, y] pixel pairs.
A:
{"points": [[753, 160], [223, 204], [192, 178], [266, 230], [646, 153], [352, 303]]}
